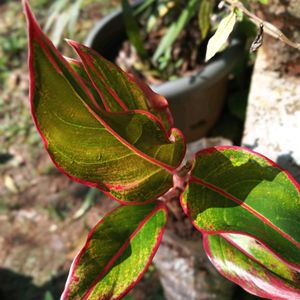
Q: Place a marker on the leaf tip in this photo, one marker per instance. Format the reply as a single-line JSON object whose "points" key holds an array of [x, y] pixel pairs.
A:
{"points": [[25, 4], [33, 27], [207, 58], [75, 45], [28, 12], [72, 43]]}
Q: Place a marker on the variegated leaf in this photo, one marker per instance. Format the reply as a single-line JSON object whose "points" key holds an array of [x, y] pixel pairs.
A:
{"points": [[97, 127], [117, 252]]}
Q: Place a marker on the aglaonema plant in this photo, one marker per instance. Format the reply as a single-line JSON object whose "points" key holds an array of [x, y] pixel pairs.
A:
{"points": [[106, 129]]}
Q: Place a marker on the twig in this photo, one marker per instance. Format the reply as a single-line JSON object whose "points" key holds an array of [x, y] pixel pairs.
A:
{"points": [[268, 27]]}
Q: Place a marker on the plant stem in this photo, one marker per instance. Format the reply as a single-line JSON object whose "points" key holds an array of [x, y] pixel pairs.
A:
{"points": [[268, 27]]}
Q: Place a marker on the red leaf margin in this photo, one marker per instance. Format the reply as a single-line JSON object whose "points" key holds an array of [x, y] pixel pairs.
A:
{"points": [[154, 100], [34, 31], [273, 289], [185, 208], [160, 206]]}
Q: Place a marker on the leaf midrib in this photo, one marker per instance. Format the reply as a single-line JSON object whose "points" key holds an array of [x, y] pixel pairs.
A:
{"points": [[124, 246], [246, 207], [66, 69]]}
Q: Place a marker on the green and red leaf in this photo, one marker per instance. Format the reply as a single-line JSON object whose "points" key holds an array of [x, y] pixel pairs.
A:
{"points": [[121, 91], [234, 190], [97, 127], [248, 263], [117, 252]]}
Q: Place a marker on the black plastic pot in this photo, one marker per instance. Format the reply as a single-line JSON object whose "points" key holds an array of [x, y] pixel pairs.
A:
{"points": [[196, 101]]}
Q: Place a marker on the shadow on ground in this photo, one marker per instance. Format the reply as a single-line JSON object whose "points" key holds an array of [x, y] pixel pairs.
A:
{"points": [[14, 286], [287, 162]]}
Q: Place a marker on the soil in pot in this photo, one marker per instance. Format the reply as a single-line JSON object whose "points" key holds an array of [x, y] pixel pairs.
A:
{"points": [[186, 57]]}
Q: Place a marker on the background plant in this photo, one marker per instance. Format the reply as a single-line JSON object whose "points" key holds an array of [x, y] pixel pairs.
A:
{"points": [[166, 23], [112, 132], [64, 16], [180, 31]]}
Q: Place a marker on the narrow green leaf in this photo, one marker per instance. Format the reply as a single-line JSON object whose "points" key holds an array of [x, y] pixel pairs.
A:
{"points": [[235, 190], [62, 15], [255, 268], [74, 12], [204, 17], [160, 11], [176, 27], [127, 154], [132, 29], [220, 37], [143, 6], [56, 8], [59, 27], [117, 252]]}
